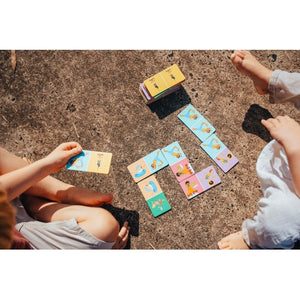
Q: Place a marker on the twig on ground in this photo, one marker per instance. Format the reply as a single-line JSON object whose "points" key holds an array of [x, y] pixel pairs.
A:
{"points": [[13, 60], [152, 246], [76, 130]]}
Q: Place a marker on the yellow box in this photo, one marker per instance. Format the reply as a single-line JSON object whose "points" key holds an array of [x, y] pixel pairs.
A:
{"points": [[156, 85], [172, 75]]}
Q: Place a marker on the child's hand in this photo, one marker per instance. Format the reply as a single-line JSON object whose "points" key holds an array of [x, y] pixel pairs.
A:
{"points": [[59, 157], [285, 130]]}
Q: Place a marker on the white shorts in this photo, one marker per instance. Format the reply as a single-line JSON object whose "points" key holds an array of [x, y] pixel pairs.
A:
{"points": [[55, 235]]}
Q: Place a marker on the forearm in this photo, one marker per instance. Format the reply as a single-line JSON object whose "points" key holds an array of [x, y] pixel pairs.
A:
{"points": [[293, 156], [18, 181], [49, 187]]}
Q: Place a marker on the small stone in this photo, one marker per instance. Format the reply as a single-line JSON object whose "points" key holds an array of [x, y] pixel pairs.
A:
{"points": [[273, 57]]}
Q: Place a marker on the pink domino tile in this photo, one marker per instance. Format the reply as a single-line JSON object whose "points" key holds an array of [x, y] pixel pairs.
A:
{"points": [[182, 170], [191, 187]]}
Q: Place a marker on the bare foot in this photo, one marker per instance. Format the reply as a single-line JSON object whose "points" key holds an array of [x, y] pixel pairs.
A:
{"points": [[83, 196], [233, 241], [122, 237], [248, 65]]}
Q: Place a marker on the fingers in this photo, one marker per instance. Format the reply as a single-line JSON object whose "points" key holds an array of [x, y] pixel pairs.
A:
{"points": [[267, 123], [124, 232], [73, 147], [273, 123], [236, 59], [70, 149], [122, 237]]}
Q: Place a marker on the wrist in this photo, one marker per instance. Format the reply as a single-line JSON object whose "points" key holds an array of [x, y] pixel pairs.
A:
{"points": [[47, 167], [292, 150]]}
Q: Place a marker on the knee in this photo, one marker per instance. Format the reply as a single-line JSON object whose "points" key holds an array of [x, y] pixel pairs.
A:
{"points": [[279, 229], [104, 226]]}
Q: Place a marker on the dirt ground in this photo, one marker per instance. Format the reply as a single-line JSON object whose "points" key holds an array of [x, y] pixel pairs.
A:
{"points": [[92, 97]]}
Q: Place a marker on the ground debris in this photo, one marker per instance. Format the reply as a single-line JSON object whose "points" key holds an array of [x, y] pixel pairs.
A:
{"points": [[13, 57]]}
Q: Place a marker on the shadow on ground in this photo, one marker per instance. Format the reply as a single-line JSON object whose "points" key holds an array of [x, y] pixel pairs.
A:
{"points": [[167, 105], [252, 122], [122, 215]]}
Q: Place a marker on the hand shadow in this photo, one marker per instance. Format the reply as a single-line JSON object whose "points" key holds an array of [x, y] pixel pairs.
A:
{"points": [[252, 122], [168, 104], [122, 215]]}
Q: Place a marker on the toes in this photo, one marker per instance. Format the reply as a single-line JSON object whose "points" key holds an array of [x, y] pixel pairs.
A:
{"points": [[107, 198], [223, 245]]}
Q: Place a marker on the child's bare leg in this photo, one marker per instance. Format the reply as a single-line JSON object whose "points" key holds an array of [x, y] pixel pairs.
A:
{"points": [[247, 64], [52, 188], [233, 241], [95, 220]]}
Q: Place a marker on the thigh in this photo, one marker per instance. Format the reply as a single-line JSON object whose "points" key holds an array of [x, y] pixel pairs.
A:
{"points": [[9, 162], [95, 220]]}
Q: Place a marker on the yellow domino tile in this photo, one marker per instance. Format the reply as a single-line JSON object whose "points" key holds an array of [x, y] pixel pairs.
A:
{"points": [[99, 162], [156, 85], [173, 75]]}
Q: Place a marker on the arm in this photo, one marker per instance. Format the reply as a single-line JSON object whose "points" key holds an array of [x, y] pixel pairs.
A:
{"points": [[294, 164], [20, 180], [287, 132]]}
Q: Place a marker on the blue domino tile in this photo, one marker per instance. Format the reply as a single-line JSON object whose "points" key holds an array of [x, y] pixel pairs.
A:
{"points": [[189, 115], [173, 153], [213, 146], [79, 162], [156, 161], [202, 129]]}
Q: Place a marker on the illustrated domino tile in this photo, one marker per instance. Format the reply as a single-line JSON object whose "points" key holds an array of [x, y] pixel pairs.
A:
{"points": [[182, 169], [226, 160], [196, 122], [208, 178], [200, 182], [189, 116], [147, 165], [202, 129], [219, 153], [156, 161], [90, 161], [154, 196], [158, 205], [191, 187], [173, 153]]}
